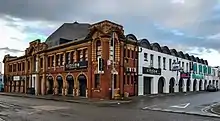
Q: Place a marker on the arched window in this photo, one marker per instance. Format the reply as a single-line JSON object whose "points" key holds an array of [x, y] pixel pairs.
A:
{"points": [[98, 49]]}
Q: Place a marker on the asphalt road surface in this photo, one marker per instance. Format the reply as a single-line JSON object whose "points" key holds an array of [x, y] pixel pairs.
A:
{"points": [[27, 109], [189, 103]]}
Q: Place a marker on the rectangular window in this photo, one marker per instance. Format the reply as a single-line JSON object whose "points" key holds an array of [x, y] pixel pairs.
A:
{"points": [[151, 60], [72, 57], [86, 54], [132, 80], [68, 58], [159, 62], [170, 64], [61, 59], [81, 55], [183, 66], [128, 53], [23, 66], [29, 65], [145, 57], [115, 81], [164, 63], [132, 54], [187, 67], [97, 80], [53, 61], [125, 52], [57, 60], [48, 61], [128, 79], [41, 62]]}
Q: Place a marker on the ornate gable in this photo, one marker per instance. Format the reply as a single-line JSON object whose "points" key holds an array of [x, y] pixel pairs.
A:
{"points": [[35, 47]]}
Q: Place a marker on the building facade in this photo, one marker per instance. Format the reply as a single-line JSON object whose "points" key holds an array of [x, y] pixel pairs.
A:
{"points": [[87, 60], [164, 70]]}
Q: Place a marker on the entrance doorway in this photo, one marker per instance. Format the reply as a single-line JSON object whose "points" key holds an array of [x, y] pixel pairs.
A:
{"points": [[161, 82], [60, 84], [194, 85], [188, 85], [147, 85], [171, 85], [50, 82], [181, 85], [70, 81], [200, 85], [205, 83], [82, 85]]}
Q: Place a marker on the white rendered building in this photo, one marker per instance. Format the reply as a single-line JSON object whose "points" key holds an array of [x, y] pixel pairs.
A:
{"points": [[157, 75]]}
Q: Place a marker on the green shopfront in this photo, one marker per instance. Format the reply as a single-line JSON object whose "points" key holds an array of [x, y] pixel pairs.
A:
{"points": [[200, 72]]}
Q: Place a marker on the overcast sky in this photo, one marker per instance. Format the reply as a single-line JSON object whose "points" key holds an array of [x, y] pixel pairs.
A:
{"points": [[192, 26]]}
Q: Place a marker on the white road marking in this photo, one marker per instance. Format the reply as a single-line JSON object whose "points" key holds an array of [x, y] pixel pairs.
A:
{"points": [[185, 105], [148, 107]]}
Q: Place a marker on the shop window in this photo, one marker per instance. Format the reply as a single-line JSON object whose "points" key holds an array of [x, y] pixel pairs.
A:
{"points": [[97, 80], [98, 49]]}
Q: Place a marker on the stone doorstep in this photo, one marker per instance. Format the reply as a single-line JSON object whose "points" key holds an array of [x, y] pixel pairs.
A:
{"points": [[76, 100]]}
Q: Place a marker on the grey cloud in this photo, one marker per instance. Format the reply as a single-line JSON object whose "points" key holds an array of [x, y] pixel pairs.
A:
{"points": [[10, 50]]}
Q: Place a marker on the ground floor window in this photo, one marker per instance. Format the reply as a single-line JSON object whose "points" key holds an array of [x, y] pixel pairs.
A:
{"points": [[97, 80]]}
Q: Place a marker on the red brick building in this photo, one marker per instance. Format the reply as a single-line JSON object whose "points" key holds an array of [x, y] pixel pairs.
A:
{"points": [[77, 60]]}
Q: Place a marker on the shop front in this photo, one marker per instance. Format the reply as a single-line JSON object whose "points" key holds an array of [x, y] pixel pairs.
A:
{"points": [[184, 76]]}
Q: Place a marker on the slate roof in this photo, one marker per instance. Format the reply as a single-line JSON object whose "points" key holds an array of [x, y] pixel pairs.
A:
{"points": [[68, 32]]}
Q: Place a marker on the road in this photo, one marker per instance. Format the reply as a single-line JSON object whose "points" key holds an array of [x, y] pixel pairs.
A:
{"points": [[27, 109], [187, 103]]}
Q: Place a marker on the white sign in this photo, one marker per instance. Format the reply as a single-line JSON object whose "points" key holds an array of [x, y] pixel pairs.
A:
{"points": [[175, 67], [16, 78]]}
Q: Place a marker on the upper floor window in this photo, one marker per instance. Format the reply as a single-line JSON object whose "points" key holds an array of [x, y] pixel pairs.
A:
{"points": [[14, 68], [85, 54], [29, 65], [48, 61], [41, 62], [129, 53], [68, 58], [61, 59], [170, 64], [151, 60], [159, 62], [23, 66], [187, 67], [80, 55], [164, 63], [10, 68], [145, 57], [98, 49], [72, 57], [53, 61], [183, 65], [57, 60]]}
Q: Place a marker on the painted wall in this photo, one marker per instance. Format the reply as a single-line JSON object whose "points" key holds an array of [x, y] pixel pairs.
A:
{"points": [[166, 73]]}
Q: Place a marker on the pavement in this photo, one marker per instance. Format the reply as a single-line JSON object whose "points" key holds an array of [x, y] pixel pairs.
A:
{"points": [[70, 99], [32, 109]]}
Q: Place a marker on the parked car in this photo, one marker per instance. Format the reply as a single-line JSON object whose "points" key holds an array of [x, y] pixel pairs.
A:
{"points": [[211, 88]]}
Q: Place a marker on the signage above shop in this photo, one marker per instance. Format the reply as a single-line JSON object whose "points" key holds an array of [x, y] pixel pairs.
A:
{"points": [[152, 71], [184, 75], [197, 76], [76, 65], [16, 78]]}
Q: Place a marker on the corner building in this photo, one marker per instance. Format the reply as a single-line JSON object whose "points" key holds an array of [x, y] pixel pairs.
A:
{"points": [[78, 59]]}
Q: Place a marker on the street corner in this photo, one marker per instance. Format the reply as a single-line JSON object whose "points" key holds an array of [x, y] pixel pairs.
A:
{"points": [[213, 109]]}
